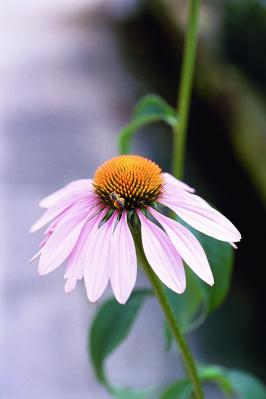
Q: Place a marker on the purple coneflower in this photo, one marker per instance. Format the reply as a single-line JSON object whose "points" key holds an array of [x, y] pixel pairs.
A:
{"points": [[90, 228]]}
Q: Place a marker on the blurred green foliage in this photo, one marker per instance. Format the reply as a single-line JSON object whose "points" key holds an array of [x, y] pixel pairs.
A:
{"points": [[244, 38]]}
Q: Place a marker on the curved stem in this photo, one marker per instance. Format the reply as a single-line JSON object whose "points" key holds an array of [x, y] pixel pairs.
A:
{"points": [[184, 97], [170, 317]]}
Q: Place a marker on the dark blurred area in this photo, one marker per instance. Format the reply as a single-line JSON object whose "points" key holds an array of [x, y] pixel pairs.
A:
{"points": [[64, 100], [246, 51]]}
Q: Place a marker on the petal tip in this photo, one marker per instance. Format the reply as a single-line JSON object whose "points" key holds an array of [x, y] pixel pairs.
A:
{"points": [[34, 257], [122, 300], [179, 287], [210, 281], [32, 229], [92, 300], [42, 204], [207, 278], [182, 290], [42, 270], [70, 285], [92, 297]]}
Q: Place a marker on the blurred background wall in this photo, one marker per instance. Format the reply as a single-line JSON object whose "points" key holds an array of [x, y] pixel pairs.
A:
{"points": [[70, 73]]}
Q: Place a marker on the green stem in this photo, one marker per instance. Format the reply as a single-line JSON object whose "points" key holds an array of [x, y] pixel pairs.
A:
{"points": [[170, 317], [184, 97]]}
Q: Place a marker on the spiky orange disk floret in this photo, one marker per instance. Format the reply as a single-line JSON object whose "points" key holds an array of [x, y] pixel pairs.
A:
{"points": [[128, 181]]}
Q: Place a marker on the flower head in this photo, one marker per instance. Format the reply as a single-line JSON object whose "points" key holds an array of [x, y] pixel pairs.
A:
{"points": [[129, 182], [90, 224]]}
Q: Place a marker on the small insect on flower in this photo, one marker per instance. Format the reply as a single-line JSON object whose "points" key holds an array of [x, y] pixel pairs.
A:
{"points": [[118, 202], [89, 228]]}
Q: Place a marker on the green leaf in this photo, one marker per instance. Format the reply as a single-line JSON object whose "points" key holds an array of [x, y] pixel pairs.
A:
{"points": [[235, 382], [110, 328], [199, 299], [215, 374], [246, 386], [221, 259], [128, 393], [179, 390], [149, 109], [152, 105]]}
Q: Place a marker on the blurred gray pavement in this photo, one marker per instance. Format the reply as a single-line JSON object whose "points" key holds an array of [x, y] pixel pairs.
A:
{"points": [[64, 96]]}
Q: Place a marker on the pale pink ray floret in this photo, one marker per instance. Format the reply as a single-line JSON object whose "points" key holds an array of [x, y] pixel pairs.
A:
{"points": [[90, 231]]}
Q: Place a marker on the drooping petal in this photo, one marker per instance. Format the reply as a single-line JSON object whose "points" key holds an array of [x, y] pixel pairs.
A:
{"points": [[49, 215], [162, 255], [75, 262], [200, 215], [76, 209], [52, 226], [97, 260], [61, 207], [123, 262], [173, 184], [77, 185], [187, 246], [60, 244]]}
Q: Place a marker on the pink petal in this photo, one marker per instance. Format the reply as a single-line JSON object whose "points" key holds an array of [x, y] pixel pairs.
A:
{"points": [[97, 260], [200, 215], [76, 209], [75, 262], [61, 243], [61, 207], [35, 256], [162, 255], [124, 262], [174, 184], [187, 246], [77, 185]]}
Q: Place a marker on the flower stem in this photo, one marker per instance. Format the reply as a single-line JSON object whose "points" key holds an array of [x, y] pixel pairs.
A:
{"points": [[170, 317], [185, 89]]}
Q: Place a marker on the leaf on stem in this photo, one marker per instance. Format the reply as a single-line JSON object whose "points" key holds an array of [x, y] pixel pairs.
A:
{"points": [[109, 329], [231, 382], [148, 110]]}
